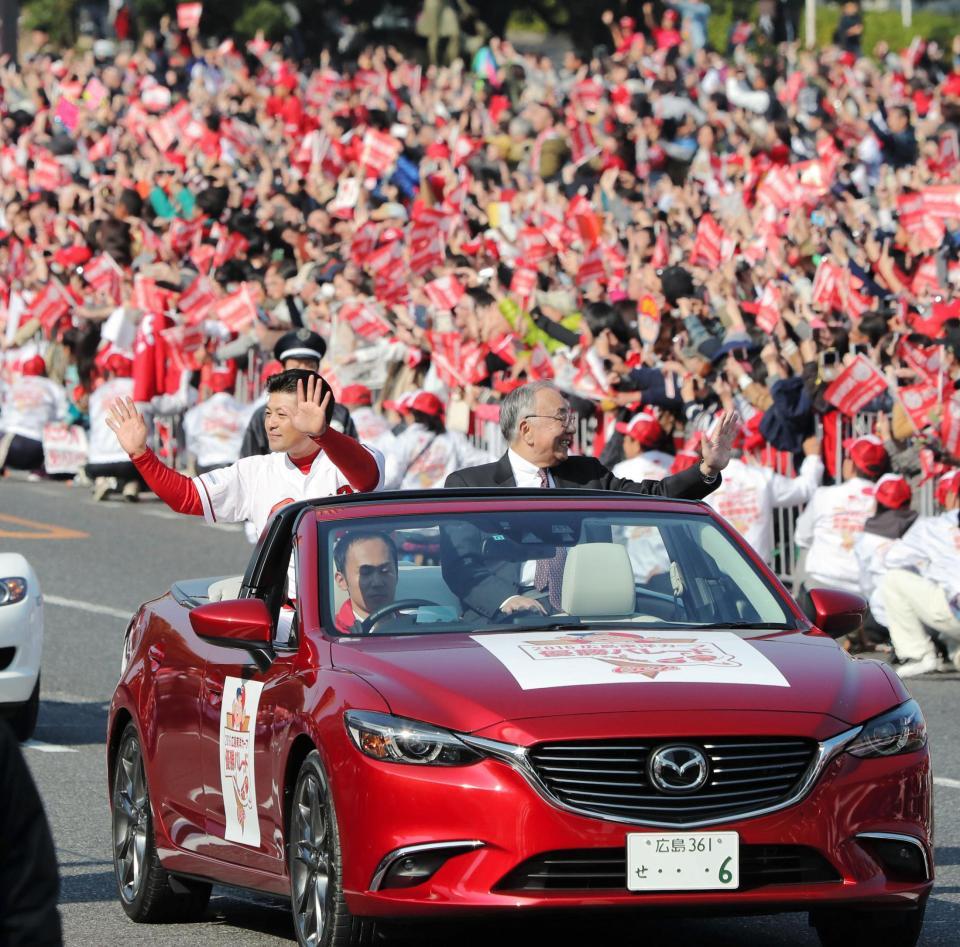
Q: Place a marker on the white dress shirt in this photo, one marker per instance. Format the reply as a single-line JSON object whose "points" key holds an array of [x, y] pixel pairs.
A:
{"points": [[527, 475]]}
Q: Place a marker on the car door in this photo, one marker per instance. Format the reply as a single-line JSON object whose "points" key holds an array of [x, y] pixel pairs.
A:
{"points": [[245, 717], [174, 672]]}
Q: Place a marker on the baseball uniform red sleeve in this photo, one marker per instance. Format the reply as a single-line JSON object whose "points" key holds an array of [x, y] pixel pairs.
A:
{"points": [[176, 490], [352, 459]]}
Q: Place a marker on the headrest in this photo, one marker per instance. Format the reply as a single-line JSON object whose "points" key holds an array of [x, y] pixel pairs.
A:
{"points": [[598, 580]]}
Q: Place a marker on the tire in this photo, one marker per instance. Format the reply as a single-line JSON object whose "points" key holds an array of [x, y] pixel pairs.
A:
{"points": [[850, 927], [320, 914], [144, 886], [24, 719]]}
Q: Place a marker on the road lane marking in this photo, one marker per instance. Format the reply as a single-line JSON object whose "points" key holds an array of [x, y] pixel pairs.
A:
{"points": [[31, 529], [87, 607], [944, 781], [42, 747]]}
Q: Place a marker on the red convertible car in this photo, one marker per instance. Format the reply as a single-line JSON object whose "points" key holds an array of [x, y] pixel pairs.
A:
{"points": [[436, 704]]}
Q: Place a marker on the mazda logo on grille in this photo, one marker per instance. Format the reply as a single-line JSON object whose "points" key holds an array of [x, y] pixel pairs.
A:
{"points": [[678, 768]]}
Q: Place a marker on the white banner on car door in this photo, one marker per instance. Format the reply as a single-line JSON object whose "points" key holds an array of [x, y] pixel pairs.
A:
{"points": [[238, 730]]}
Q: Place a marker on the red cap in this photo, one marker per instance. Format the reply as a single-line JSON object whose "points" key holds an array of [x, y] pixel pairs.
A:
{"points": [[223, 377], [893, 491], [402, 404], [947, 484], [72, 256], [119, 365], [426, 402], [356, 395], [643, 428], [271, 368], [683, 460], [867, 452], [34, 366]]}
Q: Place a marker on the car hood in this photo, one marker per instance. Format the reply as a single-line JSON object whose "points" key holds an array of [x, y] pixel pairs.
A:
{"points": [[454, 682]]}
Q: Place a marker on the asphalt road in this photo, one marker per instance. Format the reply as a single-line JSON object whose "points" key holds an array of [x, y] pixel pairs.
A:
{"points": [[126, 554]]}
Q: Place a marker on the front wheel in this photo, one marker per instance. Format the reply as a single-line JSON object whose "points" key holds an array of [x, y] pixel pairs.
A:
{"points": [[145, 888], [849, 927], [320, 914]]}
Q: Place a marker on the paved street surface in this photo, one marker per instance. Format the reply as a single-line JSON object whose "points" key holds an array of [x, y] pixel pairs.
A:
{"points": [[92, 583]]}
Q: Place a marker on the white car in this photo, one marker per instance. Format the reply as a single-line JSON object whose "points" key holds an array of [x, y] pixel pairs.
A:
{"points": [[21, 643]]}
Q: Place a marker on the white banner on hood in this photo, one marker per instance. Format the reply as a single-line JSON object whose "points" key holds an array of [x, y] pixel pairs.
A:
{"points": [[569, 658]]}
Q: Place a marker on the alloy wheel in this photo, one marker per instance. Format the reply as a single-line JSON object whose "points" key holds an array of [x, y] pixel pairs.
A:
{"points": [[130, 820], [312, 860]]}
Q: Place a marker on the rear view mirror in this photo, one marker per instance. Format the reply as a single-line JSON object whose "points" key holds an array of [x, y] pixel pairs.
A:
{"points": [[838, 613], [504, 549], [243, 623]]}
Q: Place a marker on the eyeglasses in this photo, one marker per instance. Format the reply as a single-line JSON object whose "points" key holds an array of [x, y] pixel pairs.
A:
{"points": [[567, 418]]}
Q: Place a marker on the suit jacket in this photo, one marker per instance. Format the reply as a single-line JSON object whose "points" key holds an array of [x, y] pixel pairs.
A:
{"points": [[481, 586]]}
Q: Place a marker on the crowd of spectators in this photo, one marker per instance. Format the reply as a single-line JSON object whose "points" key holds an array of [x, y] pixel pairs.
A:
{"points": [[664, 229]]}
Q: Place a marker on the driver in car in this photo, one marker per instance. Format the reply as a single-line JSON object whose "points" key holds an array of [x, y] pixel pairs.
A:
{"points": [[366, 569]]}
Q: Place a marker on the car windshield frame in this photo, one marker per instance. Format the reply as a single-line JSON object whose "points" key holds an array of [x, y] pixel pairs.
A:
{"points": [[690, 515]]}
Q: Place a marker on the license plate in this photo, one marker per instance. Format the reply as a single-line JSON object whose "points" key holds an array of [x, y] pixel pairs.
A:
{"points": [[683, 861]]}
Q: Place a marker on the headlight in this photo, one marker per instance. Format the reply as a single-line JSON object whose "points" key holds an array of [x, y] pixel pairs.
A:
{"points": [[901, 730], [397, 740], [12, 590]]}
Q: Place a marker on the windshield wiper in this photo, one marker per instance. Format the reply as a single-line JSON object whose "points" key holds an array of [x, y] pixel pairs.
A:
{"points": [[760, 625]]}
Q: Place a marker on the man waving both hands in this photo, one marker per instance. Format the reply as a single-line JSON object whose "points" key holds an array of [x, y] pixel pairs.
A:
{"points": [[308, 458]]}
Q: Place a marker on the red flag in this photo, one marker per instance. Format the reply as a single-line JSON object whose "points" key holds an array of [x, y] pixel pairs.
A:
{"points": [[47, 172], [444, 292], [540, 367], [825, 283], [147, 296], [447, 355], [505, 346], [534, 246], [918, 401], [426, 254], [103, 147], [229, 245], [583, 145], [197, 300], [183, 233], [50, 305], [768, 313], [164, 132], [378, 151], [924, 361], [366, 321], [858, 384], [473, 358], [238, 310], [386, 262], [592, 267], [588, 223], [707, 243], [942, 201], [950, 427], [524, 282], [103, 273], [188, 15], [364, 241]]}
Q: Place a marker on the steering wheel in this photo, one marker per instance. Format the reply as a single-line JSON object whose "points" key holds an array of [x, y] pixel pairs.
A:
{"points": [[366, 626]]}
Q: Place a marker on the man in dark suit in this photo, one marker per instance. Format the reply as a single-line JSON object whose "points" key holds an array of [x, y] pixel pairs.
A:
{"points": [[538, 424]]}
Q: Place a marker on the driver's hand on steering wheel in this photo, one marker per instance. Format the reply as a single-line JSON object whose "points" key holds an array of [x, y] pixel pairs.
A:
{"points": [[522, 603]]}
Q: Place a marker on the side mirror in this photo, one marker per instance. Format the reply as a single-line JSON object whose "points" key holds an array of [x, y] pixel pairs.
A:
{"points": [[243, 623], [838, 612]]}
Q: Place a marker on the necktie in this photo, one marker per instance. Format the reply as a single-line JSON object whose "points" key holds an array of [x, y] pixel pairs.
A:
{"points": [[549, 574]]}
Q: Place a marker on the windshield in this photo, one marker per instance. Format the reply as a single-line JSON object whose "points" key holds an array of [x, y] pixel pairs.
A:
{"points": [[529, 569]]}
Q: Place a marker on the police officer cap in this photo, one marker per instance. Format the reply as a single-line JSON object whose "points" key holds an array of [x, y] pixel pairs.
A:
{"points": [[300, 343]]}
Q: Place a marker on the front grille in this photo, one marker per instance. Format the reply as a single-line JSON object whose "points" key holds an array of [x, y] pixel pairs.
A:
{"points": [[609, 778], [606, 869], [6, 657]]}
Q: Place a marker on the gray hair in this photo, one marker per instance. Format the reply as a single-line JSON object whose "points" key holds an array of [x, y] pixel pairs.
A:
{"points": [[519, 404]]}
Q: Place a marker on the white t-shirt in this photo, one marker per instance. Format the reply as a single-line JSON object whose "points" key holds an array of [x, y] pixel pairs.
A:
{"points": [[421, 459], [931, 547], [871, 552], [750, 493], [828, 528], [102, 444], [29, 404], [650, 465], [214, 429], [254, 488]]}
